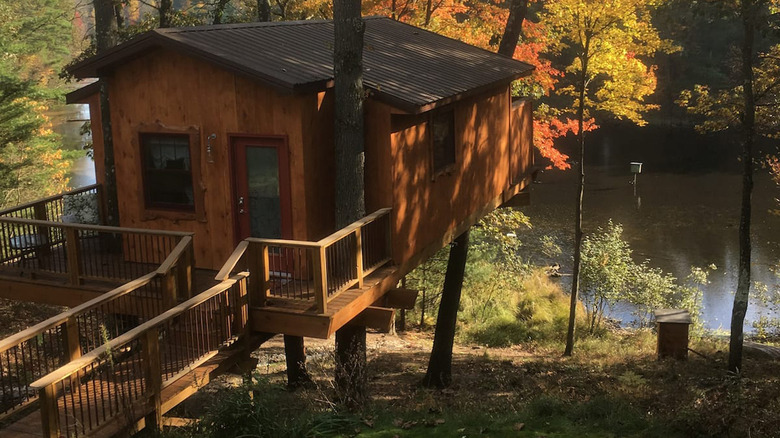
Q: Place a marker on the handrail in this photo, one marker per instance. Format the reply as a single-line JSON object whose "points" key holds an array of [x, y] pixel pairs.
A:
{"points": [[65, 371], [232, 261], [58, 319], [88, 227], [124, 289], [48, 199], [318, 271], [352, 227], [62, 337]]}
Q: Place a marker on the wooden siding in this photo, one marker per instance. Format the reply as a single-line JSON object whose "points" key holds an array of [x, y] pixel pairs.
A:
{"points": [[178, 91], [427, 206]]}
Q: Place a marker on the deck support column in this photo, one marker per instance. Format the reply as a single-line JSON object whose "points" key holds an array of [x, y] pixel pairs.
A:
{"points": [[295, 356], [351, 365], [50, 413]]}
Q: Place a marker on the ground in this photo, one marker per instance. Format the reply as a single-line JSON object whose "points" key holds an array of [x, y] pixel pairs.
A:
{"points": [[613, 386]]}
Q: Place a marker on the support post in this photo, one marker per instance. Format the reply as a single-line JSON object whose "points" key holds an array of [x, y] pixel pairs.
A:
{"points": [[184, 271], [73, 251], [50, 414], [169, 287], [257, 270], [359, 256], [153, 374], [320, 278]]}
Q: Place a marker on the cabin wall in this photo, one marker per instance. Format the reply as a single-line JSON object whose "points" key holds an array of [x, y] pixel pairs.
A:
{"points": [[180, 92], [427, 206]]}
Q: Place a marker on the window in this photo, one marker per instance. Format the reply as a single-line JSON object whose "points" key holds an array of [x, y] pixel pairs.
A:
{"points": [[167, 171], [443, 140]]}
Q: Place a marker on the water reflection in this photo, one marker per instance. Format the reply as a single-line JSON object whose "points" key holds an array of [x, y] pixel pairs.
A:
{"points": [[67, 121], [683, 214]]}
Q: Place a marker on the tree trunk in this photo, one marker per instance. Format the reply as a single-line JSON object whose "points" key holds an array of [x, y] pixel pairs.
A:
{"points": [[351, 365], [348, 29], [263, 11], [428, 12], [165, 11], [748, 130], [295, 356], [575, 276], [105, 38], [439, 372], [219, 11], [119, 15], [514, 27]]}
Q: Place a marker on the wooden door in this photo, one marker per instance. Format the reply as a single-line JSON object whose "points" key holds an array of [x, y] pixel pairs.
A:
{"points": [[261, 187]]}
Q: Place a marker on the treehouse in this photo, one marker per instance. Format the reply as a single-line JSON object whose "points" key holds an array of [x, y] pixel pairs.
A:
{"points": [[223, 144]]}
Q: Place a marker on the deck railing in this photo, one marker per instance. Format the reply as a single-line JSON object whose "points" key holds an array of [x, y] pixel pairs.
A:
{"points": [[77, 252], [123, 380], [39, 350], [53, 208], [313, 271]]}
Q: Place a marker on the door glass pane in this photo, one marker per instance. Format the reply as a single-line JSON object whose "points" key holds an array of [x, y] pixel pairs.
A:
{"points": [[262, 170]]}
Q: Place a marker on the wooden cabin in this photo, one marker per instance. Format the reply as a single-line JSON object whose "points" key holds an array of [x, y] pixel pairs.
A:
{"points": [[227, 132]]}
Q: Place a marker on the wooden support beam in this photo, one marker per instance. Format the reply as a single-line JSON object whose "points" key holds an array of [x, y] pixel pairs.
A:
{"points": [[378, 318], [153, 373], [73, 251], [401, 298], [273, 321]]}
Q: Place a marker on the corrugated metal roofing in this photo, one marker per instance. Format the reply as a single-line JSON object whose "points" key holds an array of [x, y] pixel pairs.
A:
{"points": [[409, 67]]}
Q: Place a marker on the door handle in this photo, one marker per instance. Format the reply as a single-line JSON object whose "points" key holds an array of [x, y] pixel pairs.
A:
{"points": [[241, 205]]}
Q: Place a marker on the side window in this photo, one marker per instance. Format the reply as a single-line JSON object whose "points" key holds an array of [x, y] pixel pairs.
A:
{"points": [[442, 125], [167, 171]]}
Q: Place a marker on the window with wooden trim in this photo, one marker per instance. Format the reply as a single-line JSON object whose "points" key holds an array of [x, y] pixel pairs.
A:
{"points": [[167, 171], [442, 125]]}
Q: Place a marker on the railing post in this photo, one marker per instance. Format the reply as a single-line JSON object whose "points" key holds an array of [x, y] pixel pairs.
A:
{"points": [[73, 251], [184, 271], [42, 252], [257, 263], [50, 413], [150, 345], [72, 343], [320, 278], [169, 288], [359, 256]]}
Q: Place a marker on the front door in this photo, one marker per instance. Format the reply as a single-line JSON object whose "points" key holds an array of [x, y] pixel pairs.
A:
{"points": [[262, 187]]}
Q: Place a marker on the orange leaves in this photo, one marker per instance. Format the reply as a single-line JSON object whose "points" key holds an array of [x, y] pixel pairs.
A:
{"points": [[546, 130]]}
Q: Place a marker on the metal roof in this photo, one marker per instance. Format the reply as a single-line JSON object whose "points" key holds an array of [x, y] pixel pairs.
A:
{"points": [[406, 66]]}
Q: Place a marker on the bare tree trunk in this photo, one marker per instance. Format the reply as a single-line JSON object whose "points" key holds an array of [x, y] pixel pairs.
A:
{"points": [[439, 372], [105, 38], [165, 11], [514, 27], [119, 15], [295, 357], [428, 12], [748, 130], [348, 29], [263, 11], [575, 280]]}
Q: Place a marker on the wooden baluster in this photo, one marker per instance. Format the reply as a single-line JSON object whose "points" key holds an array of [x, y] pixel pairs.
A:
{"points": [[359, 256], [150, 345], [50, 412], [73, 251], [320, 278]]}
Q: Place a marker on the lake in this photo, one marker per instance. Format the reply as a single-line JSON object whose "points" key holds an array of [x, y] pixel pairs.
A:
{"points": [[67, 121], [683, 211]]}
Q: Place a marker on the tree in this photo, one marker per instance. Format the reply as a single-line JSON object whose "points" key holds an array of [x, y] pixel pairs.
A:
{"points": [[751, 106], [439, 373], [607, 39], [348, 30]]}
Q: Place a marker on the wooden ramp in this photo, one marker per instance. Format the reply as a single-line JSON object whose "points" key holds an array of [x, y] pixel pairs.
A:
{"points": [[140, 375]]}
